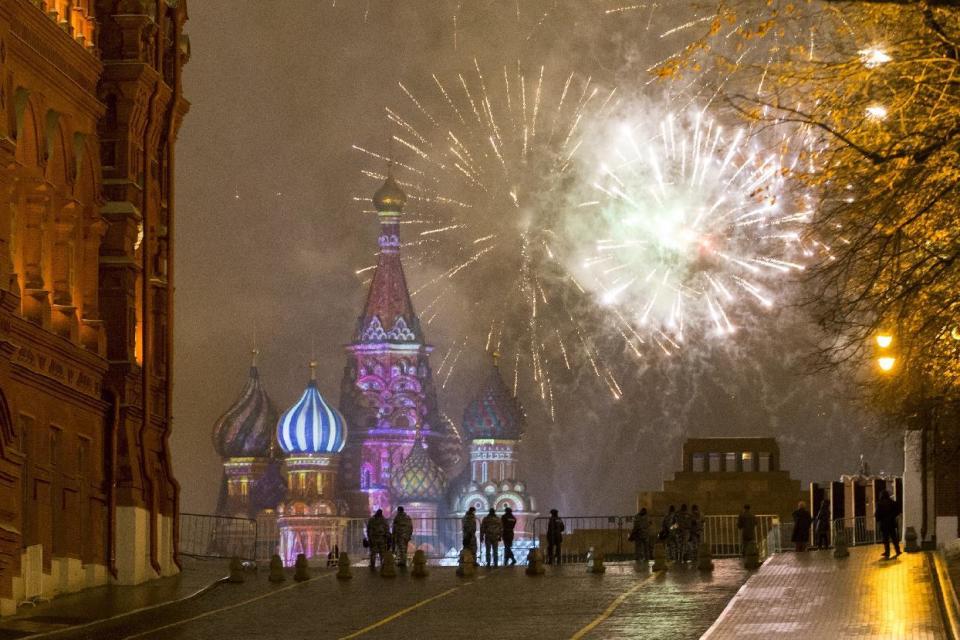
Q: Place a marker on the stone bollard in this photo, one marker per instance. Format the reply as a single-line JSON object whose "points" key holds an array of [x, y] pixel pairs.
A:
{"points": [[840, 546], [419, 564], [388, 566], [301, 570], [535, 563], [468, 564], [276, 569], [659, 557], [236, 570], [343, 567], [910, 541], [751, 556], [596, 563], [704, 558]]}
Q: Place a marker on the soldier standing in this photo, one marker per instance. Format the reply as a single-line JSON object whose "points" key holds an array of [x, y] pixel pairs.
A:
{"points": [[507, 522], [490, 530], [640, 536], [402, 532], [469, 523], [554, 536], [377, 531]]}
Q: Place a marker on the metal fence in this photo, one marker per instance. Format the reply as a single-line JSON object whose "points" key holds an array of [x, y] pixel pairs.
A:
{"points": [[208, 536], [856, 531], [441, 540], [211, 536], [610, 535]]}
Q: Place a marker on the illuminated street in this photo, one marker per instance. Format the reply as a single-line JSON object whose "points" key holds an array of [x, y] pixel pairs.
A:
{"points": [[680, 604], [811, 595]]}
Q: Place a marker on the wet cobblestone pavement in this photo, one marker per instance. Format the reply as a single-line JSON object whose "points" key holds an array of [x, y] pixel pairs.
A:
{"points": [[813, 595], [566, 602]]}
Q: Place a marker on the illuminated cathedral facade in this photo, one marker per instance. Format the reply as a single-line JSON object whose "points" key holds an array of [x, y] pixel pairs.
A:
{"points": [[309, 470]]}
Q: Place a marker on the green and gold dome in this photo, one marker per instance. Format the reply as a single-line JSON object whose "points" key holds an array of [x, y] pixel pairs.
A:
{"points": [[418, 478]]}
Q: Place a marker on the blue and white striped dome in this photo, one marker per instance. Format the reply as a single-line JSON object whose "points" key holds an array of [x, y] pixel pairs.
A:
{"points": [[311, 425]]}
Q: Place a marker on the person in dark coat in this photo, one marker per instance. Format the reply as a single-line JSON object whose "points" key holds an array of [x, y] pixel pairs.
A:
{"points": [[821, 526], [887, 511], [747, 524], [554, 537], [801, 527], [469, 526], [507, 522], [640, 536]]}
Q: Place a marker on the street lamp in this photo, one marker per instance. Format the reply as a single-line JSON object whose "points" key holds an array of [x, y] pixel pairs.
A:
{"points": [[885, 359]]}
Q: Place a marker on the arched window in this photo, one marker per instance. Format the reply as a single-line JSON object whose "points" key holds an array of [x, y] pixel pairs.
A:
{"points": [[366, 477]]}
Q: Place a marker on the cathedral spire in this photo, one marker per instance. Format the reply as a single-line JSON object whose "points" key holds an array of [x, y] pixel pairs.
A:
{"points": [[388, 315]]}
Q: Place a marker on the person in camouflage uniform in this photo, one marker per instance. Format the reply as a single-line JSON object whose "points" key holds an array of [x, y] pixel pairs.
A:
{"points": [[640, 536], [469, 524], [490, 532], [507, 522], [377, 531], [402, 532]]}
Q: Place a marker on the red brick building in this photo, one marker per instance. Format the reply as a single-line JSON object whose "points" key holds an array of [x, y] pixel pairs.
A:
{"points": [[90, 103]]}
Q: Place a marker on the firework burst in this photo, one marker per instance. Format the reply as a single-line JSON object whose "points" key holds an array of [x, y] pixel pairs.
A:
{"points": [[691, 224], [483, 157]]}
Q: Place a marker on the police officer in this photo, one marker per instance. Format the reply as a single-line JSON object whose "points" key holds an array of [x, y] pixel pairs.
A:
{"points": [[469, 524], [377, 531], [507, 522], [402, 532], [490, 530]]}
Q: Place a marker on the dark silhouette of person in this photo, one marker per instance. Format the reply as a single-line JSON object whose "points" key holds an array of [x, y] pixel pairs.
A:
{"points": [[887, 511], [554, 537], [801, 527], [821, 526], [640, 536], [747, 524], [507, 523]]}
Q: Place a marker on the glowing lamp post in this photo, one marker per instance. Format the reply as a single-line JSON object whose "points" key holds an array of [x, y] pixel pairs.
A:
{"points": [[885, 359]]}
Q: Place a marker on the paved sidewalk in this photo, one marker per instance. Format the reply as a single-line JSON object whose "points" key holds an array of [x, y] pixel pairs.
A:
{"points": [[101, 603], [813, 595]]}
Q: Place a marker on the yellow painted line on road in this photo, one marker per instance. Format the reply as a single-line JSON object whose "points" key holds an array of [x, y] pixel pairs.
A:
{"points": [[404, 612], [226, 608], [609, 610]]}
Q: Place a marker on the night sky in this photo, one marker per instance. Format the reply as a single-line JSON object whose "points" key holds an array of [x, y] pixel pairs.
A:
{"points": [[268, 239]]}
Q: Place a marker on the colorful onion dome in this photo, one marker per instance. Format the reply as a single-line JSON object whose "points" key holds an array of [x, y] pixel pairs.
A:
{"points": [[245, 430], [390, 197], [311, 425], [418, 478], [495, 412]]}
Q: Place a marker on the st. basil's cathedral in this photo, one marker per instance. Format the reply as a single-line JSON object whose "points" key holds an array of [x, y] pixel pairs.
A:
{"points": [[308, 471]]}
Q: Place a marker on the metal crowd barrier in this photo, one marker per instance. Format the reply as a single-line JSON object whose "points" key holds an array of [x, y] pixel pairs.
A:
{"points": [[441, 539], [610, 535], [857, 531], [209, 536]]}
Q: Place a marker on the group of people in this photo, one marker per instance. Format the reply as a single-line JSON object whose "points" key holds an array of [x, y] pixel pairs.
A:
{"points": [[804, 523], [679, 530], [382, 537], [886, 514], [493, 530]]}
